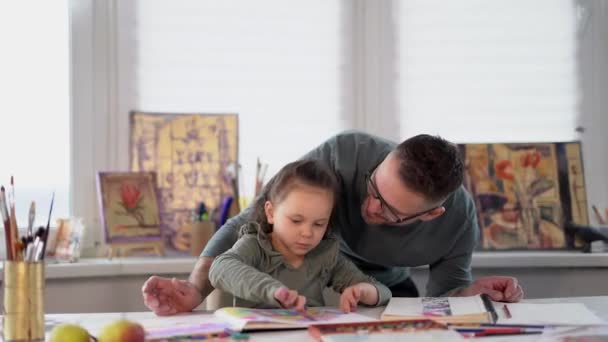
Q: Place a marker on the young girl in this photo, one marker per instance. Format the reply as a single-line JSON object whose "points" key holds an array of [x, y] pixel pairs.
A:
{"points": [[285, 257]]}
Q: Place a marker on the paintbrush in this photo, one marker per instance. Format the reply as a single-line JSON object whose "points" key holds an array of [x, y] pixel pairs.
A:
{"points": [[14, 230], [48, 226], [30, 223], [7, 225]]}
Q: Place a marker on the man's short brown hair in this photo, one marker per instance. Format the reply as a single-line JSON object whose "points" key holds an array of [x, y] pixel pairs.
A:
{"points": [[430, 165]]}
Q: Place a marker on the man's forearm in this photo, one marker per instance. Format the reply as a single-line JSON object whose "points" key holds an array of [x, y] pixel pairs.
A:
{"points": [[199, 277]]}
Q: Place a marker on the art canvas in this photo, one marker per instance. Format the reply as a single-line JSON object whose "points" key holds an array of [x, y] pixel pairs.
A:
{"points": [[525, 193], [129, 207], [192, 155]]}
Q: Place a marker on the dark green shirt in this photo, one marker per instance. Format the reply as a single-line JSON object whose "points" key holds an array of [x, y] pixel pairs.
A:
{"points": [[385, 252], [252, 271]]}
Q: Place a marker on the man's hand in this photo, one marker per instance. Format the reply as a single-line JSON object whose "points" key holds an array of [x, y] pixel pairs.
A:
{"points": [[170, 296], [500, 289], [290, 299]]}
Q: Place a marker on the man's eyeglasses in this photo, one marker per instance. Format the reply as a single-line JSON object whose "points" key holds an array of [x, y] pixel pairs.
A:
{"points": [[388, 212]]}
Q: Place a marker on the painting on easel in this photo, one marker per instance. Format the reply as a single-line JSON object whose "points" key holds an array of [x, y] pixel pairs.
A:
{"points": [[129, 208], [525, 193]]}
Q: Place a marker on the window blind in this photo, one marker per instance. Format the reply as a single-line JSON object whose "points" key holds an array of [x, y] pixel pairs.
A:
{"points": [[487, 71], [284, 67]]}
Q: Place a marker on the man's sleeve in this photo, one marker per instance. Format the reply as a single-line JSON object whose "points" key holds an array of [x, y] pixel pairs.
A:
{"points": [[453, 271], [236, 272], [227, 235]]}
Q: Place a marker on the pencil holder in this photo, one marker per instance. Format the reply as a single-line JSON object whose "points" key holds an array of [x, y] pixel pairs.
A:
{"points": [[23, 309], [201, 232]]}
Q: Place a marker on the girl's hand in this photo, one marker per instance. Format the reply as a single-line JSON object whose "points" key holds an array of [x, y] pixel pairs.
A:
{"points": [[290, 299], [362, 292], [349, 298]]}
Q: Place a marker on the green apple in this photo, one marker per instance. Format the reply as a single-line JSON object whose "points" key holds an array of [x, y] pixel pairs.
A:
{"points": [[122, 331], [69, 333]]}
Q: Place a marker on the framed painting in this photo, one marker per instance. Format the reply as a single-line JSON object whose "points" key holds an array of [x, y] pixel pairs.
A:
{"points": [[526, 193], [192, 156], [128, 207]]}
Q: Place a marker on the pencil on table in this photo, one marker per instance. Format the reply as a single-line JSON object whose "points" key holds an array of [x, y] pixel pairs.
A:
{"points": [[505, 308]]}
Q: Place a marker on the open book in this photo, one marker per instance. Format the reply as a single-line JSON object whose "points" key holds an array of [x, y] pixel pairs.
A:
{"points": [[480, 309], [245, 319], [474, 309]]}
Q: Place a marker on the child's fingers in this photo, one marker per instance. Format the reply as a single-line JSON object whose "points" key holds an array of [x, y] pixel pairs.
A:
{"points": [[353, 303], [282, 295], [345, 301], [300, 303], [343, 305], [287, 298], [356, 294], [291, 299]]}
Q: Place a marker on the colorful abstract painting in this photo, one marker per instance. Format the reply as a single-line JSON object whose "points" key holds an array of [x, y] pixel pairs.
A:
{"points": [[525, 193], [191, 155]]}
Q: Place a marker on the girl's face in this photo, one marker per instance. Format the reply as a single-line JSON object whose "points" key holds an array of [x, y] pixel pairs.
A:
{"points": [[299, 220]]}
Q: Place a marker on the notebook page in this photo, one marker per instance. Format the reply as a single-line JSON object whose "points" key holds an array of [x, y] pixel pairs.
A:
{"points": [[553, 313]]}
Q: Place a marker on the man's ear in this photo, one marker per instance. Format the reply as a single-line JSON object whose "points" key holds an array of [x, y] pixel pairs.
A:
{"points": [[433, 214], [269, 211]]}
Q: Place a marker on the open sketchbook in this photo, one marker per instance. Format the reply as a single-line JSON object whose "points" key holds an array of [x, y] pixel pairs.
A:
{"points": [[480, 309], [546, 314], [245, 319], [474, 309]]}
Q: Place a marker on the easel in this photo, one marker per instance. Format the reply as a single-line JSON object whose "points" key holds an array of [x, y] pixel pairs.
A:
{"points": [[126, 248]]}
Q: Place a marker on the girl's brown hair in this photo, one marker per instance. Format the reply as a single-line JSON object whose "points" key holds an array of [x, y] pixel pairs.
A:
{"points": [[307, 172]]}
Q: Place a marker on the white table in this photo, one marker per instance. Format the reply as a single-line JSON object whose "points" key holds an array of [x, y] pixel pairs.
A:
{"points": [[94, 322]]}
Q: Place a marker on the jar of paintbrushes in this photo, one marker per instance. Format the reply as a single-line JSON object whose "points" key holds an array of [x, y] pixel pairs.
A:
{"points": [[23, 274]]}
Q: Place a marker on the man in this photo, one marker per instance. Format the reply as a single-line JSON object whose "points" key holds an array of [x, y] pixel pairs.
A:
{"points": [[399, 207]]}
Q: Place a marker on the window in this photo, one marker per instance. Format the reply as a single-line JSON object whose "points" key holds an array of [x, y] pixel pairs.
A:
{"points": [[297, 72], [282, 66], [483, 71], [35, 113]]}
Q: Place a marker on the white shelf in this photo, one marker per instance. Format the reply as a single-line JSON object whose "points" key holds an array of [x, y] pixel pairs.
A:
{"points": [[88, 268], [101, 267], [539, 259]]}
